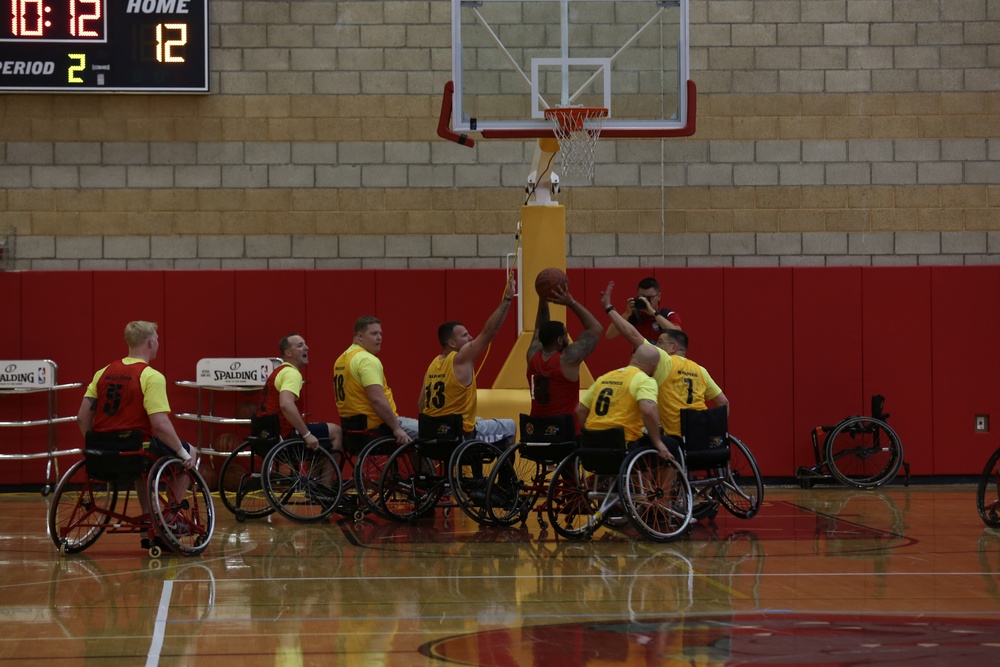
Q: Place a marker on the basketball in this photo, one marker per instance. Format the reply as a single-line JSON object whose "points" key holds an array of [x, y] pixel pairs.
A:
{"points": [[225, 442], [207, 469], [234, 473], [548, 279]]}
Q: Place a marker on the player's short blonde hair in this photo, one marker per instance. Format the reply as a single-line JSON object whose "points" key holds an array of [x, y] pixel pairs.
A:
{"points": [[138, 332]]}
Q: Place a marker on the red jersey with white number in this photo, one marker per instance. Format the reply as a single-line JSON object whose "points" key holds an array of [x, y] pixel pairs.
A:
{"points": [[551, 393]]}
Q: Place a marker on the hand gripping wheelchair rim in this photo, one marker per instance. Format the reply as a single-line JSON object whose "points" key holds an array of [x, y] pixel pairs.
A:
{"points": [[289, 483]]}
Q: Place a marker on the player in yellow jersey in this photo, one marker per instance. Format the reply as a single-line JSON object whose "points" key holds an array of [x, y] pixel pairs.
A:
{"points": [[626, 397], [360, 385], [450, 381]]}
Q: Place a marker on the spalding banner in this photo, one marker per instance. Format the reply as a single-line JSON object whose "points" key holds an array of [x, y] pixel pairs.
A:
{"points": [[247, 372], [27, 374]]}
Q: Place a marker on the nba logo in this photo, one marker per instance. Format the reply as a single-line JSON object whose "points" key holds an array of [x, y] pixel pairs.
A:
{"points": [[41, 375], [265, 372]]}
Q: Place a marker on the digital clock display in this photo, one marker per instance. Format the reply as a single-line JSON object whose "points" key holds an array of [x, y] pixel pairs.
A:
{"points": [[104, 45]]}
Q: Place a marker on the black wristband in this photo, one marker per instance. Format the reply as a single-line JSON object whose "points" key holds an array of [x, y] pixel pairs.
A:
{"points": [[609, 309]]}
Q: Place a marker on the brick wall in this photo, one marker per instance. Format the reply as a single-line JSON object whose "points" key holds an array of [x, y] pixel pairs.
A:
{"points": [[829, 132]]}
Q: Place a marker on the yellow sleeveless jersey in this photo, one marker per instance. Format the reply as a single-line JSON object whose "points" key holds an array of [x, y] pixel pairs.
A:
{"points": [[445, 395], [687, 387], [614, 398], [354, 370]]}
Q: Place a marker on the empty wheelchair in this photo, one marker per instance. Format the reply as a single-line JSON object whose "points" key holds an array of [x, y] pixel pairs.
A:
{"points": [[85, 505], [241, 477], [440, 463], [603, 479], [720, 468], [521, 476], [863, 452]]}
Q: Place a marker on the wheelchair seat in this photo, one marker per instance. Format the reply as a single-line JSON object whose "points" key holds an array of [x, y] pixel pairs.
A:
{"points": [[547, 439], [603, 451], [115, 456], [265, 433], [439, 436], [704, 437], [357, 434]]}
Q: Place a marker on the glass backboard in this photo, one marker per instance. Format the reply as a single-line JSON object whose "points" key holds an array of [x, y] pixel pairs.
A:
{"points": [[512, 59]]}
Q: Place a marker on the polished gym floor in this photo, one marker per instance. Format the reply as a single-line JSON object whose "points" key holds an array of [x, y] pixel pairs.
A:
{"points": [[825, 576]]}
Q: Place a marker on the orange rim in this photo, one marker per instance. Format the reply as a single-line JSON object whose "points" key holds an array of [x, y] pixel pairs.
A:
{"points": [[571, 119]]}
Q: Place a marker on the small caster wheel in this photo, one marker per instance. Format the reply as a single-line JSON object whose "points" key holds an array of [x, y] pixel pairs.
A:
{"points": [[359, 515], [543, 525], [155, 551], [446, 512], [62, 548], [46, 490], [241, 516]]}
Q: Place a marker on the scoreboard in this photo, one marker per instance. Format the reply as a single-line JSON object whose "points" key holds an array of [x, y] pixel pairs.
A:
{"points": [[141, 46]]}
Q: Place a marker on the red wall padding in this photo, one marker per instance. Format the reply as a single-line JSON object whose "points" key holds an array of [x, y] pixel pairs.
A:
{"points": [[759, 379], [897, 345], [792, 348], [826, 353], [964, 362]]}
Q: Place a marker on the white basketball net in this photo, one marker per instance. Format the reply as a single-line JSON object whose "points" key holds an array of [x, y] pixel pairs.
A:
{"points": [[577, 129]]}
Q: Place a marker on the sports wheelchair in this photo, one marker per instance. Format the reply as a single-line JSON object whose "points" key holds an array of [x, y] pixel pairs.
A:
{"points": [[521, 475], [181, 516], [720, 468], [602, 476], [863, 452], [368, 451], [988, 492], [281, 475], [439, 462]]}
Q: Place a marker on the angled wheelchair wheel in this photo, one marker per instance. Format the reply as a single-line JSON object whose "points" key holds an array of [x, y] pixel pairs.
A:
{"points": [[742, 489], [244, 470], [302, 484], [656, 495], [468, 472], [80, 509], [368, 469], [863, 452], [180, 507], [513, 487], [407, 493], [988, 492], [572, 504]]}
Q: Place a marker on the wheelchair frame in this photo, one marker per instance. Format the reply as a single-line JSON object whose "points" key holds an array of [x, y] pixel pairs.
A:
{"points": [[653, 493], [83, 505], [989, 485], [852, 451], [450, 465]]}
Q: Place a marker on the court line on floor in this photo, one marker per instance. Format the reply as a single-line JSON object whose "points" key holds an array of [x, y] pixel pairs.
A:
{"points": [[160, 626]]}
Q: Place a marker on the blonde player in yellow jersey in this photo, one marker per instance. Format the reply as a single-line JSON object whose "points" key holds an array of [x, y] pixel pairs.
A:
{"points": [[626, 397], [450, 381], [360, 386]]}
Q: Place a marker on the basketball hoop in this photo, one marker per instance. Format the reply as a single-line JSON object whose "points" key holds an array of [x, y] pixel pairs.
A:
{"points": [[577, 129]]}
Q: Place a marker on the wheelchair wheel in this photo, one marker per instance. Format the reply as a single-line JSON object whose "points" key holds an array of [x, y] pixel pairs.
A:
{"points": [[742, 489], [80, 509], [468, 472], [406, 494], [180, 506], [303, 484], [656, 495], [988, 492], [513, 487], [863, 452], [248, 500], [368, 469], [572, 504]]}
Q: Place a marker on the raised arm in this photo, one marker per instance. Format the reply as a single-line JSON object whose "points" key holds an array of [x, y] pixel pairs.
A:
{"points": [[586, 342], [541, 317], [622, 325], [471, 351]]}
